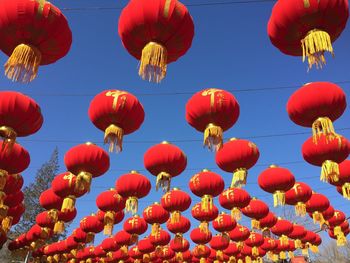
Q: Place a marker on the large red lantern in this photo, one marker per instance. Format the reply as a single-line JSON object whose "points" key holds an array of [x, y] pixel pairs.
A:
{"points": [[337, 219], [132, 186], [11, 200], [110, 202], [307, 28], [13, 215], [179, 246], [86, 161], [175, 202], [199, 237], [298, 196], [44, 220], [269, 244], [239, 234], [165, 161], [212, 111], [109, 245], [201, 252], [158, 38], [51, 202], [237, 156], [30, 44], [234, 199], [256, 210], [14, 183], [219, 243], [179, 228], [91, 226], [267, 222], [317, 204], [254, 241], [155, 215], [79, 236], [124, 239], [204, 216], [282, 229], [276, 180], [161, 239], [206, 184], [224, 223], [135, 226], [326, 154], [231, 251], [64, 217], [297, 234], [117, 113]]}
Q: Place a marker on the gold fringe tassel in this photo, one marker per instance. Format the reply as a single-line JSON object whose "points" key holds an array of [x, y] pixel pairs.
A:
{"points": [[300, 209], [290, 254], [279, 199], [202, 260], [323, 126], [314, 46], [155, 229], [341, 240], [6, 223], [114, 136], [213, 137], [236, 214], [346, 190], [132, 205], [314, 249], [53, 214], [248, 259], [146, 258], [204, 227], [240, 261], [232, 259], [68, 204], [239, 178], [83, 182], [283, 255], [3, 211], [219, 255], [318, 218], [337, 231], [23, 64], [179, 257], [163, 181], [175, 217], [108, 221], [298, 244], [59, 227], [284, 240], [178, 239], [207, 203], [90, 238], [3, 178], [305, 252], [153, 62], [255, 251], [266, 232], [330, 171], [255, 224]]}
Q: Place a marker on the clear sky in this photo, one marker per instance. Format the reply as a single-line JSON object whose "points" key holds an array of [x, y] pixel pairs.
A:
{"points": [[231, 51]]}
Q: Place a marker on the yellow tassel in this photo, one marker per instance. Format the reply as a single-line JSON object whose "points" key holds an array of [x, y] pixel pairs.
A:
{"points": [[240, 245], [290, 254], [284, 240], [204, 227], [323, 126], [266, 232], [153, 62], [59, 227], [300, 209], [124, 250], [213, 137], [240, 261], [53, 214], [68, 204], [134, 238], [298, 244], [3, 177], [305, 252], [175, 217], [114, 136], [330, 171], [163, 181], [341, 240], [178, 239], [279, 199], [255, 224], [202, 260], [337, 231], [318, 218], [283, 255], [179, 257], [248, 259], [219, 255], [314, 249], [3, 211], [23, 64], [7, 223], [314, 46], [346, 190], [132, 205], [108, 221], [83, 182], [74, 252], [155, 229], [255, 251], [207, 203], [146, 258], [232, 260], [236, 214], [239, 178], [56, 257]]}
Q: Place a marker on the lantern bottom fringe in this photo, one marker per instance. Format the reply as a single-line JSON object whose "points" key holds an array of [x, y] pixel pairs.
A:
{"points": [[131, 205], [266, 232], [178, 239], [202, 260], [146, 258], [179, 257], [83, 182], [300, 209], [9, 135], [134, 238], [213, 137], [323, 126], [255, 251], [6, 223], [346, 190], [314, 249], [314, 45], [248, 259], [207, 203], [68, 204], [330, 171], [255, 224], [23, 64], [3, 178], [110, 255], [3, 211], [219, 255], [283, 255], [108, 221], [59, 227], [204, 227], [305, 252], [74, 252], [284, 240], [124, 250], [240, 261], [298, 244], [114, 136], [175, 217], [163, 181], [279, 199], [153, 63], [341, 240], [232, 260], [239, 178], [236, 214], [337, 231], [290, 254], [155, 229], [318, 218], [53, 214]]}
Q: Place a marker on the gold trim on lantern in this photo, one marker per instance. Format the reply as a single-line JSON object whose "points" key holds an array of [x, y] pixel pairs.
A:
{"points": [[9, 135]]}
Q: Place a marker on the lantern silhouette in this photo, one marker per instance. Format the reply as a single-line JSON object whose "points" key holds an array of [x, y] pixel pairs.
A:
{"points": [[267, 222], [317, 204], [256, 210], [224, 223], [307, 28], [124, 239], [201, 252], [179, 246], [109, 245], [298, 196], [239, 234], [175, 202], [297, 234], [155, 215], [231, 251], [179, 228], [282, 229], [135, 226], [161, 239], [51, 202], [234, 199], [204, 216], [219, 243], [199, 237], [254, 241], [212, 111], [30, 44], [91, 226]]}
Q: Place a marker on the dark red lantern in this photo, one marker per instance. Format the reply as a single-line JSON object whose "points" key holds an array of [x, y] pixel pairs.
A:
{"points": [[234, 199], [224, 223], [239, 234], [282, 229], [165, 161], [64, 217], [254, 241], [51, 202], [91, 226], [307, 28], [30, 44], [155, 215], [206, 184], [237, 156], [179, 228], [179, 246], [219, 243], [276, 180], [132, 186], [161, 239], [165, 34], [175, 202], [212, 111], [117, 113], [204, 216], [298, 233], [267, 222], [256, 210], [298, 196], [317, 204], [135, 226]]}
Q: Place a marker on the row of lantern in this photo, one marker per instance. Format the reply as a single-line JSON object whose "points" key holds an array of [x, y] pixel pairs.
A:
{"points": [[161, 37]]}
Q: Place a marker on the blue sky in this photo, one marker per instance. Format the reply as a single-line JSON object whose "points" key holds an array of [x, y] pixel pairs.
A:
{"points": [[231, 51]]}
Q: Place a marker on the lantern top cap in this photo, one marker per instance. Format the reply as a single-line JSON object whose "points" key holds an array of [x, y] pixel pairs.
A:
{"points": [[89, 143], [273, 166], [176, 188], [156, 203], [233, 139], [165, 142], [134, 172], [205, 170]]}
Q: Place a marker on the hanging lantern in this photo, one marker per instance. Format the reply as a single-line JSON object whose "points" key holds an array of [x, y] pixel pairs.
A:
{"points": [[316, 243], [14, 183], [179, 228], [117, 113], [79, 236], [326, 154], [234, 199], [51, 202], [109, 245], [115, 218], [91, 226], [207, 185], [237, 156], [282, 229], [44, 220], [254, 241], [281, 249], [341, 238], [165, 35], [307, 240], [267, 222], [219, 243], [135, 254], [269, 244], [119, 255], [307, 28], [297, 234], [164, 161], [155, 215], [161, 239], [175, 202], [11, 200], [204, 216], [317, 204], [327, 214], [110, 202], [132, 186], [298, 196], [99, 252], [37, 235], [166, 254], [276, 180], [30, 44], [239, 234], [179, 246], [199, 237], [64, 217], [256, 210], [344, 179], [224, 223], [337, 218], [87, 161], [145, 247], [201, 252], [231, 251], [212, 111], [135, 226], [124, 240]]}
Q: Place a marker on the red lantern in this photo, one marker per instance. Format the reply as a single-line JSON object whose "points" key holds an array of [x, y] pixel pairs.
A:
{"points": [[179, 246], [109, 245], [110, 202], [145, 246], [79, 235], [344, 179], [298, 196], [117, 217], [124, 239], [337, 218], [317, 204], [155, 215], [328, 214], [199, 237], [206, 185], [297, 234], [175, 202], [14, 183], [135, 226], [256, 210], [51, 202], [91, 226], [277, 181], [239, 234], [64, 217], [282, 229], [179, 228], [234, 199], [161, 239], [254, 241], [117, 113], [132, 186], [307, 28], [237, 156], [212, 111], [269, 244], [267, 222], [231, 250], [224, 223], [219, 243], [30, 44], [99, 252], [165, 35], [86, 161], [44, 220], [165, 161], [166, 253], [201, 252], [11, 200], [204, 216], [327, 154]]}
